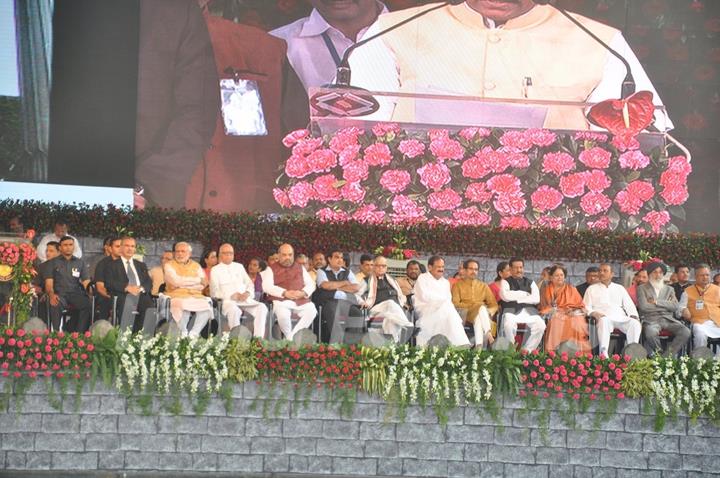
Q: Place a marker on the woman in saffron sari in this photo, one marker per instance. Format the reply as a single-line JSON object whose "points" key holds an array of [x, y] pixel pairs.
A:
{"points": [[562, 303]]}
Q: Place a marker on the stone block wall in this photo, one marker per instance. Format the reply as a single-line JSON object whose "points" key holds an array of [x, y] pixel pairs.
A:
{"points": [[106, 434]]}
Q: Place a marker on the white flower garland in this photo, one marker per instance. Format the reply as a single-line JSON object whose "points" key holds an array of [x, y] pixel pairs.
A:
{"points": [[160, 363], [448, 376], [687, 384]]}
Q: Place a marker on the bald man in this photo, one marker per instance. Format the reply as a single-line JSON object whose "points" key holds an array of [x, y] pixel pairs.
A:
{"points": [[289, 286], [230, 282]]}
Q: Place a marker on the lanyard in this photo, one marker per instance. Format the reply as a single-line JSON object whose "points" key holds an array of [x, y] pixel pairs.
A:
{"points": [[331, 48], [701, 294]]}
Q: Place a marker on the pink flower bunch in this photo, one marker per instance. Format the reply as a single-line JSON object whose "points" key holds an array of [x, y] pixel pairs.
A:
{"points": [[602, 223], [445, 200], [478, 192], [595, 203], [294, 136], [595, 157], [546, 198], [386, 131], [573, 376], [300, 194], [356, 171], [353, 192], [330, 215], [674, 181], [302, 164], [434, 175], [395, 180], [517, 141], [657, 220], [471, 216], [597, 180], [514, 222], [9, 253], [631, 199], [634, 159], [345, 138], [592, 136], [406, 210], [558, 163], [411, 148], [446, 148], [573, 185], [378, 154], [540, 137], [369, 214], [469, 134], [623, 143], [326, 188]]}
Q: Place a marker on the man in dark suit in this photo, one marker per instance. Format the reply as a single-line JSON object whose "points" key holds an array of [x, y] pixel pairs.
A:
{"points": [[128, 279]]}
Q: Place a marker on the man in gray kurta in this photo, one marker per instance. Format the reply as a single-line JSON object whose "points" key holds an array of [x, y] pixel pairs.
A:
{"points": [[658, 309]]}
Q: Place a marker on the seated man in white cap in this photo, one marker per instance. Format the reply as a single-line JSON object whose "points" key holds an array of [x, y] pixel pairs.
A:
{"points": [[659, 309], [230, 282]]}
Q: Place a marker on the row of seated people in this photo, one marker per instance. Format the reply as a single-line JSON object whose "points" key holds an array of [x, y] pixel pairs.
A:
{"points": [[554, 305]]}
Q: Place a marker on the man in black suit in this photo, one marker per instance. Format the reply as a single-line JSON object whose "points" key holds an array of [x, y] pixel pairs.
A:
{"points": [[128, 279]]}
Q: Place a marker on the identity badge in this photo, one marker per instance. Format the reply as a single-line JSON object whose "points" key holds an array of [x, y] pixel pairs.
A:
{"points": [[241, 107], [699, 304]]}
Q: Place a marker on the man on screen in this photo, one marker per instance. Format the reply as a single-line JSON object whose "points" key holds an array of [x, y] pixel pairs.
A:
{"points": [[317, 43], [510, 49]]}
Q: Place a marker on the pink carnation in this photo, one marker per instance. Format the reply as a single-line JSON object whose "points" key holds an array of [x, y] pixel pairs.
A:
{"points": [[326, 188], [573, 185], [641, 189], [657, 219], [594, 203], [623, 143], [281, 197], [478, 192], [546, 198], [597, 181], [468, 134], [395, 180], [558, 163], [444, 200], [446, 148], [627, 203], [329, 215], [595, 157], [674, 195], [411, 148], [434, 175], [516, 141], [435, 134], [603, 223], [551, 222], [494, 161], [345, 138], [322, 160], [355, 171], [634, 159], [378, 154], [307, 146], [297, 166], [353, 192], [510, 204], [295, 136], [369, 214], [471, 216], [301, 193], [514, 222], [406, 210], [679, 165], [504, 184], [349, 154], [540, 137], [382, 129], [591, 136], [516, 160]]}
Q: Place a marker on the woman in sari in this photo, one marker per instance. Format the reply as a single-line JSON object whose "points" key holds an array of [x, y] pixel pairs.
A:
{"points": [[503, 272], [562, 303]]}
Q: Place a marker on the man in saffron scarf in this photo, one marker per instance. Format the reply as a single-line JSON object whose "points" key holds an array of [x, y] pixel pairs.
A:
{"points": [[562, 303]]}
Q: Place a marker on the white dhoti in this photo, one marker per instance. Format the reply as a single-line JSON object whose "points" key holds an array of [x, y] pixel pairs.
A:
{"points": [[482, 327], [181, 308], [440, 319], [616, 319], [534, 322], [283, 310], [233, 310], [393, 316], [701, 332]]}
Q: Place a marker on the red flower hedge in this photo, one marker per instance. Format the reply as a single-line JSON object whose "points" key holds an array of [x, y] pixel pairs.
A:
{"points": [[259, 235]]}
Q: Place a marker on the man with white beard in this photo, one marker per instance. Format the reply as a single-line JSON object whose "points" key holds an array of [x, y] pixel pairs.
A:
{"points": [[659, 310], [433, 303], [385, 299]]}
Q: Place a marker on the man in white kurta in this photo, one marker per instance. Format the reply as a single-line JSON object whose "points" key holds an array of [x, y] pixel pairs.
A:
{"points": [[385, 299], [519, 299], [289, 286], [613, 308], [230, 282], [434, 306]]}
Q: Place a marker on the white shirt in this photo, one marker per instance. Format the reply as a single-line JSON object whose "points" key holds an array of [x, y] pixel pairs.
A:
{"points": [[227, 280], [374, 67], [520, 296], [307, 52], [430, 291], [129, 263], [269, 287], [52, 237], [609, 300]]}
